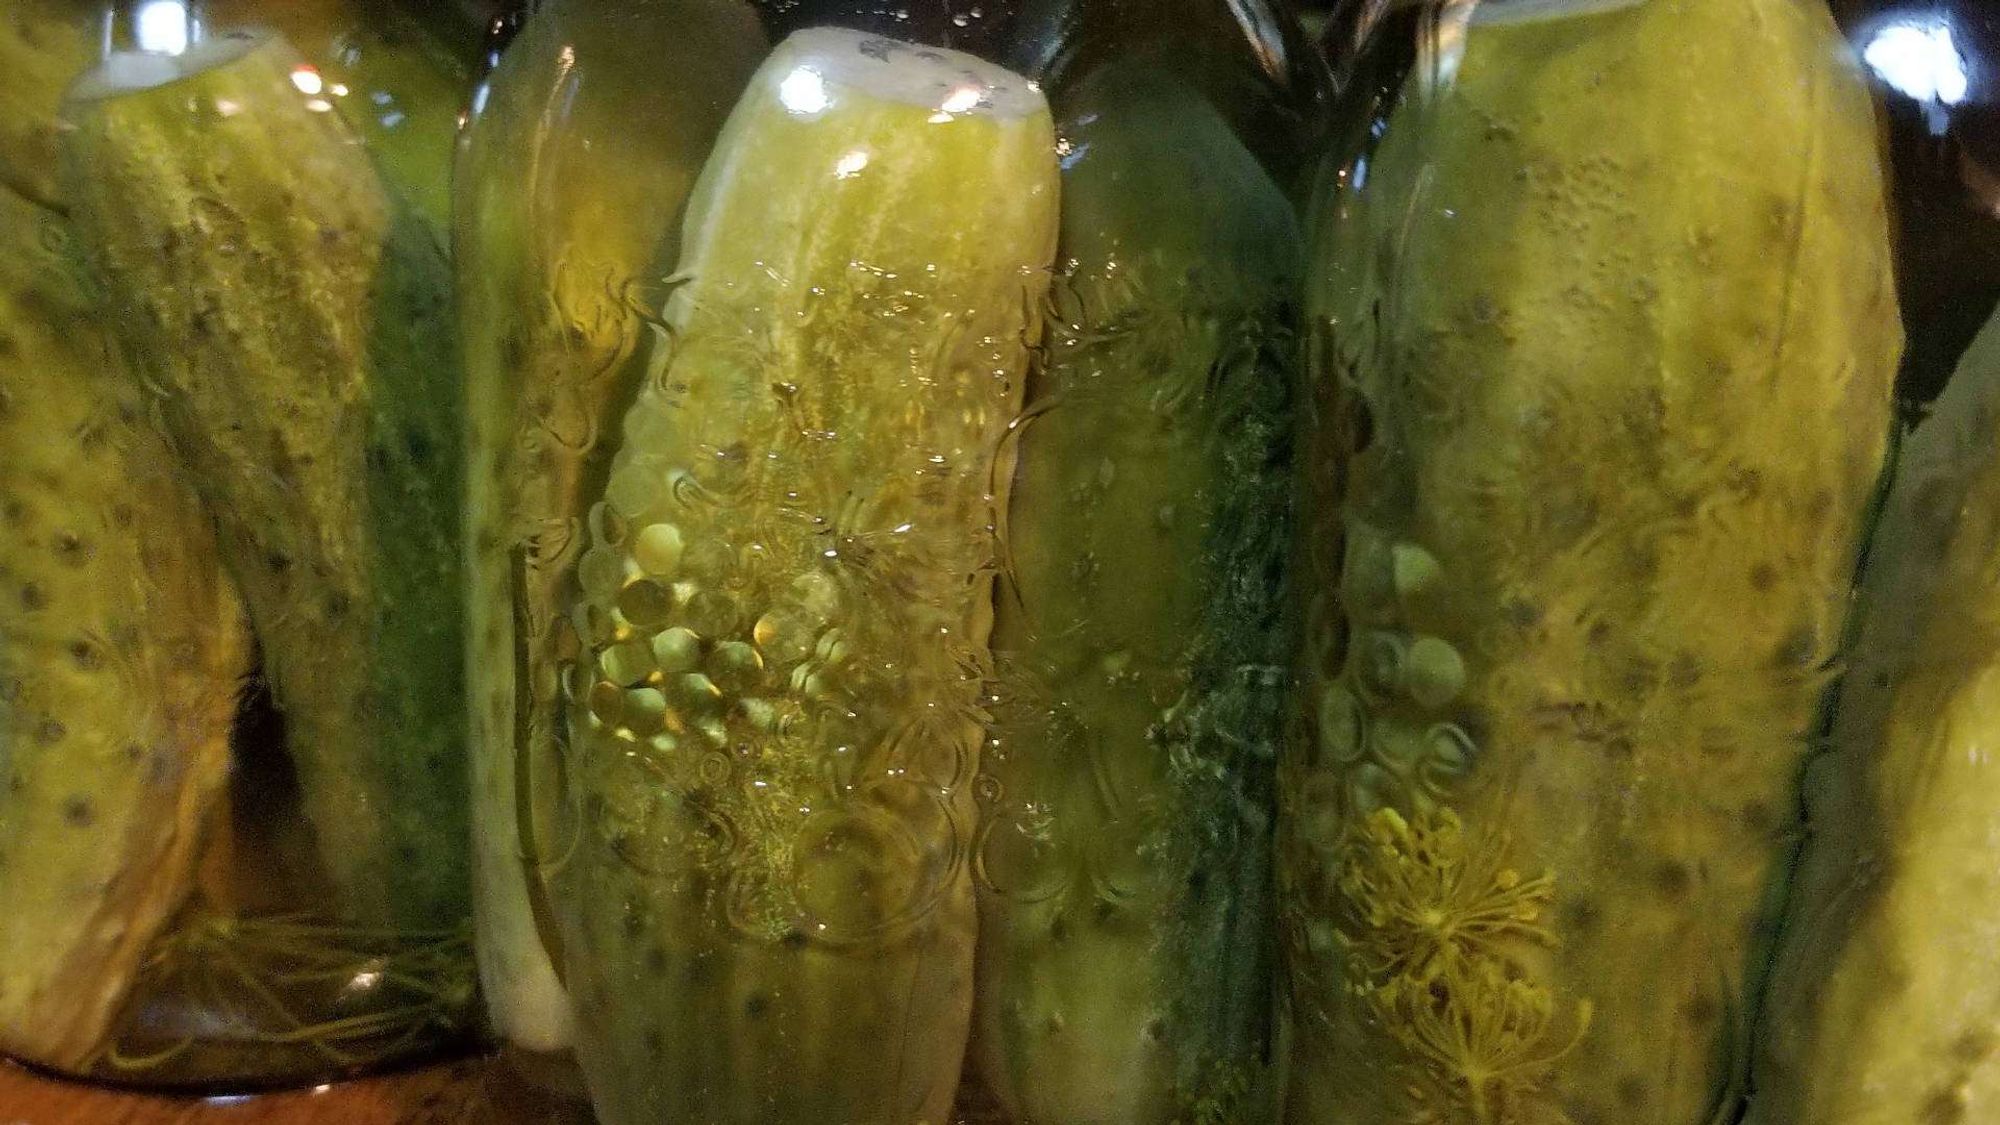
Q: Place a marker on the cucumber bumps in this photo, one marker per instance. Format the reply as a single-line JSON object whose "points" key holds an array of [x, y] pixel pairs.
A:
{"points": [[1607, 359], [555, 273], [122, 650], [295, 322], [786, 600], [1883, 1006]]}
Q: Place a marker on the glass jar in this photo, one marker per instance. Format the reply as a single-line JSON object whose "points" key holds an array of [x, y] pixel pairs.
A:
{"points": [[881, 443], [1883, 994], [232, 841], [1602, 346]]}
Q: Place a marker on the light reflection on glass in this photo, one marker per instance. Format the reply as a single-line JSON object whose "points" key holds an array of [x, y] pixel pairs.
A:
{"points": [[961, 99], [1920, 59], [803, 91], [162, 26]]}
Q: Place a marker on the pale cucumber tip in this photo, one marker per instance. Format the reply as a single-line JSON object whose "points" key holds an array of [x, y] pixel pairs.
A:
{"points": [[1533, 11], [814, 68], [131, 72]]}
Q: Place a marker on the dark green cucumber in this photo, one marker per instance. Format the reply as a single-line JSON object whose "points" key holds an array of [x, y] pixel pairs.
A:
{"points": [[1125, 956]]}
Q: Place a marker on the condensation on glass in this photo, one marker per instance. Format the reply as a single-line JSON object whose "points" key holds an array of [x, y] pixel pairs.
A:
{"points": [[880, 447], [233, 824]]}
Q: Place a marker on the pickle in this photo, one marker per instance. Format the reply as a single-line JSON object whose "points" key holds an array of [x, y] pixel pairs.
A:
{"points": [[1124, 855], [786, 600], [1604, 351], [553, 274], [43, 44], [294, 320], [122, 650], [1882, 1005], [394, 72]]}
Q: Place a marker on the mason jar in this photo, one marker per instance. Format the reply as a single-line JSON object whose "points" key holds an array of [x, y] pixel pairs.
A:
{"points": [[1882, 992], [1602, 347], [233, 841], [881, 443]]}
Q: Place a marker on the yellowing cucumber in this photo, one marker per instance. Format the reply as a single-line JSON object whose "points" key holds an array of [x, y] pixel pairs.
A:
{"points": [[1125, 964], [43, 44], [1884, 1006], [295, 324], [122, 649], [1607, 336], [786, 600], [391, 73]]}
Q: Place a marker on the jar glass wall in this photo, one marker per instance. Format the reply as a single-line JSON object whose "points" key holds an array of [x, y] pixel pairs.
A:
{"points": [[1602, 349], [232, 839], [880, 445]]}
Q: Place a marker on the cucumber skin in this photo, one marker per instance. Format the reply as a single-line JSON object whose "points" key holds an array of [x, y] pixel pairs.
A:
{"points": [[309, 385], [1882, 1007], [43, 44], [769, 915], [122, 650], [1125, 953], [1606, 456]]}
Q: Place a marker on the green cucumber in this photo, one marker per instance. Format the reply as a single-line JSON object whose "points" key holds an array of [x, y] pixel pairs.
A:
{"points": [[1883, 1006], [294, 321], [786, 600], [393, 74], [1125, 958], [1605, 339], [553, 268], [122, 650]]}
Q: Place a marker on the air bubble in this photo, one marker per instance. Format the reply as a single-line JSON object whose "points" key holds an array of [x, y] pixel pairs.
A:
{"points": [[785, 634], [627, 664], [1015, 862], [1450, 756], [1382, 656], [697, 692], [713, 613], [1433, 672], [645, 711], [735, 666], [1415, 570], [646, 603], [677, 650], [818, 594], [657, 550], [607, 702]]}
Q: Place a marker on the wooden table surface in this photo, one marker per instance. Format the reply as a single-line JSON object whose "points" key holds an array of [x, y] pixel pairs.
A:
{"points": [[469, 1092]]}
